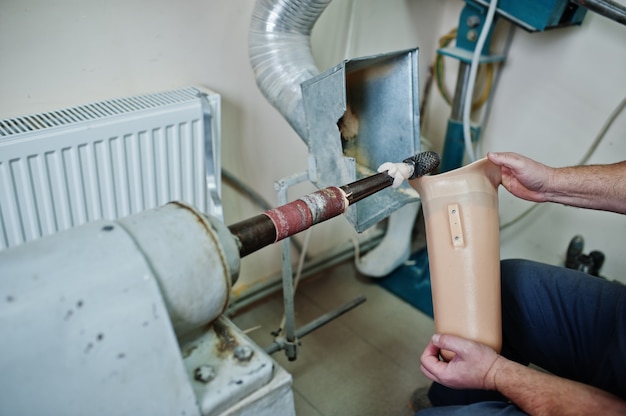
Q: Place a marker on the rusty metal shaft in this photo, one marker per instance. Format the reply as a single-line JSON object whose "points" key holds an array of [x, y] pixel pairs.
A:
{"points": [[279, 223], [289, 219], [276, 224]]}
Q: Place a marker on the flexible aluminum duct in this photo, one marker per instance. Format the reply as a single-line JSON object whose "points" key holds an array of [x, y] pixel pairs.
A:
{"points": [[280, 53]]}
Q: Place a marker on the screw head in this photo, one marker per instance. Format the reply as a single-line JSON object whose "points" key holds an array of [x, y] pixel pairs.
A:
{"points": [[473, 21], [204, 373], [243, 353], [472, 35]]}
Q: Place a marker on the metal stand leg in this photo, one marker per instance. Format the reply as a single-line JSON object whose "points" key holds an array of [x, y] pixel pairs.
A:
{"points": [[289, 341]]}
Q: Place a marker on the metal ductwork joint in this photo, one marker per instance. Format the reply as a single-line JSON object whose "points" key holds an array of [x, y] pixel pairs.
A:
{"points": [[353, 117]]}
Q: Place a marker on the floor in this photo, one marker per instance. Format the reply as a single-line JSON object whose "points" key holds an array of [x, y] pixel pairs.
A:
{"points": [[365, 362]]}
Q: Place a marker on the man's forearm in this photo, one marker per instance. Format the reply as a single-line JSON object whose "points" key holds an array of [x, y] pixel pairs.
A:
{"points": [[538, 393], [600, 187]]}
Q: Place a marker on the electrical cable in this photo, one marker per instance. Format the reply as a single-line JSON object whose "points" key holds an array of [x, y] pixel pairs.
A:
{"points": [[492, 76], [357, 251], [594, 145], [607, 124], [505, 52], [440, 66], [467, 107], [244, 189], [439, 69]]}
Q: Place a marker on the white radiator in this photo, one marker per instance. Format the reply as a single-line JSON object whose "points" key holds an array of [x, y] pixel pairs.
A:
{"points": [[107, 160]]}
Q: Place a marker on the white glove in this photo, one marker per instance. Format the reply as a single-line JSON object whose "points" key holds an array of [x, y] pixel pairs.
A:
{"points": [[398, 171]]}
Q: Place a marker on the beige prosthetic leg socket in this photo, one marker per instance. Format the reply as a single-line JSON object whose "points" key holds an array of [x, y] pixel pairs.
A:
{"points": [[462, 235]]}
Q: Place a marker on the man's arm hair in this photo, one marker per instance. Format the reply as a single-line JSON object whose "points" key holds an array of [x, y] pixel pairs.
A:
{"points": [[601, 187], [538, 393]]}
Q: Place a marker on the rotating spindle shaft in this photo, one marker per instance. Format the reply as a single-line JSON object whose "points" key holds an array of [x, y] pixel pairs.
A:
{"points": [[276, 224]]}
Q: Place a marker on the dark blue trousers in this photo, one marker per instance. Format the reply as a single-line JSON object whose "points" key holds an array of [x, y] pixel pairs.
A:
{"points": [[566, 322]]}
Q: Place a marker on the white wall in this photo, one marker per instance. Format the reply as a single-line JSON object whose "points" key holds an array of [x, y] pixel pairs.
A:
{"points": [[555, 92]]}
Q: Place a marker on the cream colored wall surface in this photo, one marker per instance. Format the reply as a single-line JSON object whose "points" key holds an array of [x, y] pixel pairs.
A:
{"points": [[65, 53], [555, 92]]}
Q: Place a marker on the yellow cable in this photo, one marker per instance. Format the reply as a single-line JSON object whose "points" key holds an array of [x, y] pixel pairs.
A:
{"points": [[440, 72]]}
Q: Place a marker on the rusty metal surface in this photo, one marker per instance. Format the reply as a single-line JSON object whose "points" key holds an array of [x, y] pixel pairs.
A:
{"points": [[225, 367], [226, 340]]}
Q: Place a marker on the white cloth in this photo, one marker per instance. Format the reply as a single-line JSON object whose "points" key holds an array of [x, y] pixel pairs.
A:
{"points": [[399, 171]]}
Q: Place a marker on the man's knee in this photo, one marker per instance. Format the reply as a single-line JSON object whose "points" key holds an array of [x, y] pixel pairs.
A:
{"points": [[519, 276]]}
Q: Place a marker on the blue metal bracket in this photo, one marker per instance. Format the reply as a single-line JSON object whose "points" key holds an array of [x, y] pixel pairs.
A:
{"points": [[471, 23], [538, 15]]}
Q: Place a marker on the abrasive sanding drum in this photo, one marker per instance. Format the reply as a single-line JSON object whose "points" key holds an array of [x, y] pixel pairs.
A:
{"points": [[462, 233]]}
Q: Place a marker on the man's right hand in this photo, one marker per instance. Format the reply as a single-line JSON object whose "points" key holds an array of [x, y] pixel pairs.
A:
{"points": [[523, 177]]}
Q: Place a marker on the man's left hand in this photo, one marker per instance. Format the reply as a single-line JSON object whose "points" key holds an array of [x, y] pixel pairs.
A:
{"points": [[471, 368]]}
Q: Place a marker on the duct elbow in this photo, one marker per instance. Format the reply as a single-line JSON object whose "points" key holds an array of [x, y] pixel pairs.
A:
{"points": [[280, 54]]}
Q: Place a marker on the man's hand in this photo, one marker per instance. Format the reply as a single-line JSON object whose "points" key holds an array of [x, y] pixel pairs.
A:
{"points": [[523, 177], [476, 366], [473, 365], [592, 186]]}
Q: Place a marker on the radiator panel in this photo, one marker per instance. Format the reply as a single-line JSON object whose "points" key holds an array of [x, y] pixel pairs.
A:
{"points": [[107, 160]]}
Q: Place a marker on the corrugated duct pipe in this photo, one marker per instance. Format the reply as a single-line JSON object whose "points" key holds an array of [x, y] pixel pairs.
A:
{"points": [[280, 54]]}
